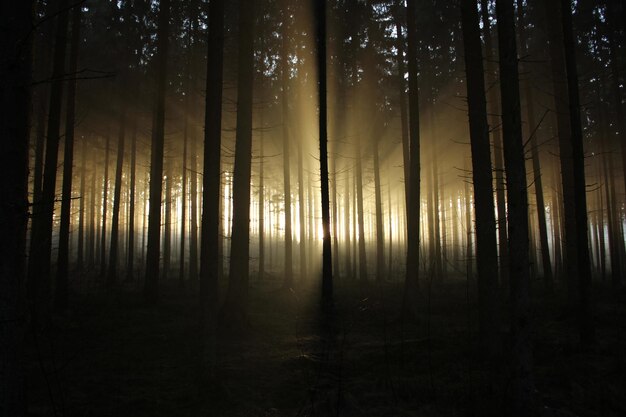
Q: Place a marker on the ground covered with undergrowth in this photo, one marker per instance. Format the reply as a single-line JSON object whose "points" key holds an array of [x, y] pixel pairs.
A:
{"points": [[112, 355]]}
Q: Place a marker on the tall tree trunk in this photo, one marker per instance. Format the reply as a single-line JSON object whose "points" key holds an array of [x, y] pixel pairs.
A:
{"points": [[497, 145], [486, 245], [236, 304], [404, 125], [105, 200], [261, 200], [413, 212], [40, 250], [301, 208], [80, 261], [284, 79], [60, 289], [167, 232], [327, 263], [380, 234], [130, 262], [212, 191], [16, 18], [346, 221], [583, 264], [522, 388], [564, 133], [117, 194], [538, 180], [151, 283], [91, 242]]}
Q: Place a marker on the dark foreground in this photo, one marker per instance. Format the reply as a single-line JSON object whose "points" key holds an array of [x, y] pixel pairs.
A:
{"points": [[113, 356]]}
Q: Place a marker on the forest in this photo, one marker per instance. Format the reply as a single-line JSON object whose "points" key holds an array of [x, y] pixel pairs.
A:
{"points": [[312, 208]]}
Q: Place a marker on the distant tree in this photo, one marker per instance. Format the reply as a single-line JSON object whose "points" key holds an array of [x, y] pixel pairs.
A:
{"points": [[117, 194], [151, 283], [16, 20]]}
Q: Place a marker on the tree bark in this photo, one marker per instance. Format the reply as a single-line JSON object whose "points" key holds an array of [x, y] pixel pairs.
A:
{"points": [[60, 289], [522, 388], [151, 283], [486, 245], [117, 194]]}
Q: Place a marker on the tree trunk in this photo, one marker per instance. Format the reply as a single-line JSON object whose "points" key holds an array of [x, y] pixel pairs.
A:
{"points": [[80, 261], [105, 200], [130, 264], [15, 94], [151, 283], [522, 388], [327, 264], [497, 146], [41, 245], [285, 70], [236, 304], [380, 233], [486, 245], [538, 180], [583, 264], [404, 126], [211, 195], [115, 221], [413, 212], [60, 290]]}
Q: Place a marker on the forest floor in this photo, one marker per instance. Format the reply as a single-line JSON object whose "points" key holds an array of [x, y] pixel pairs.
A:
{"points": [[111, 355]]}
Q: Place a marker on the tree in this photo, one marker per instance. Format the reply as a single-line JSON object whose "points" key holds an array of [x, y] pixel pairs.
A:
{"points": [[41, 245], [522, 390], [327, 262], [15, 92], [486, 246], [117, 194], [585, 324], [285, 69], [411, 285], [60, 294], [151, 283], [235, 306]]}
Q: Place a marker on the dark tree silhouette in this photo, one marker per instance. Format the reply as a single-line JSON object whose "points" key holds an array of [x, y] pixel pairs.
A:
{"points": [[236, 304], [327, 262], [151, 283], [411, 285], [60, 290], [15, 91], [486, 249], [522, 390]]}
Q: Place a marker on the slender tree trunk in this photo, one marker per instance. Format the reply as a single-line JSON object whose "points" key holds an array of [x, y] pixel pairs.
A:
{"points": [[522, 389], [16, 18], [346, 221], [151, 284], [80, 261], [285, 70], [413, 212], [130, 264], [117, 194], [486, 245], [583, 264], [40, 250], [361, 215], [497, 145], [327, 263], [91, 243], [236, 304], [561, 102], [301, 215], [212, 191], [262, 201], [404, 125], [538, 180], [105, 200], [380, 233], [167, 232], [60, 289]]}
